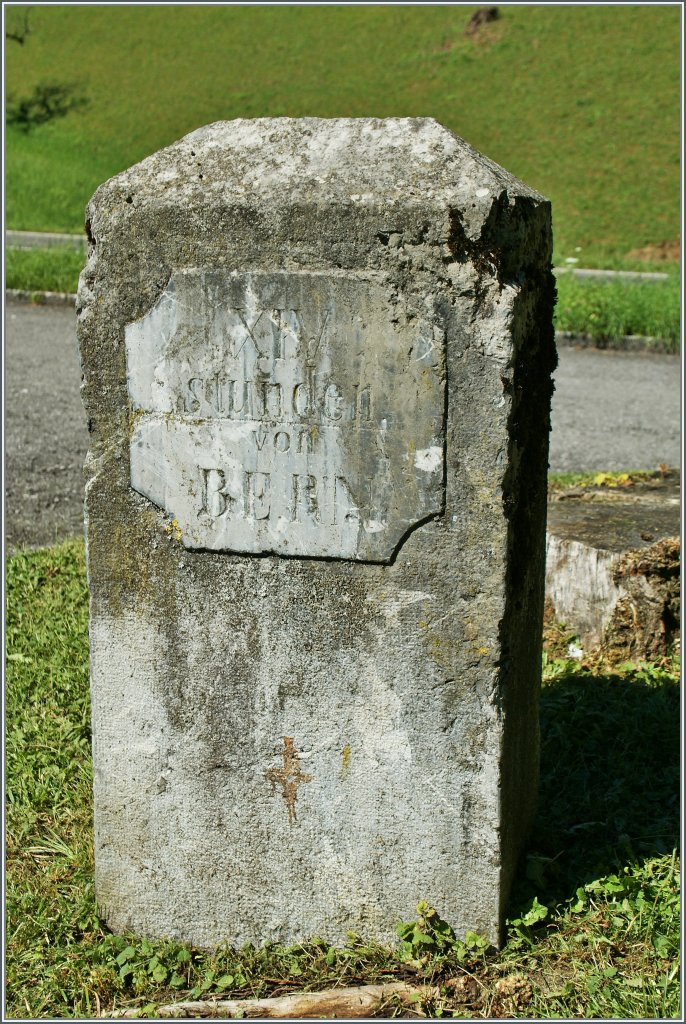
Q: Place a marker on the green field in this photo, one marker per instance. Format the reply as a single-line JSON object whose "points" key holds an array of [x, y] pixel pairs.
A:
{"points": [[580, 102]]}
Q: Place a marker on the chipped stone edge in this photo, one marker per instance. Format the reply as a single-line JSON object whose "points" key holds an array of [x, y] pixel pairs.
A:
{"points": [[38, 298]]}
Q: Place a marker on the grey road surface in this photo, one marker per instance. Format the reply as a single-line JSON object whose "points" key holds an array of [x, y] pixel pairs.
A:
{"points": [[45, 427], [610, 411], [615, 411]]}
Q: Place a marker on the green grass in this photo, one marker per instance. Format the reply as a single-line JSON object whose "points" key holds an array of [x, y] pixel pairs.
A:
{"points": [[594, 917], [612, 309], [544, 91], [51, 270]]}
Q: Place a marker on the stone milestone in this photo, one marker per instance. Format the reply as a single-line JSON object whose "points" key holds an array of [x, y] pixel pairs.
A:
{"points": [[317, 362]]}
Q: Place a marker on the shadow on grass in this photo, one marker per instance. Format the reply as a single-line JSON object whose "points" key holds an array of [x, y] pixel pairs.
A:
{"points": [[610, 783]]}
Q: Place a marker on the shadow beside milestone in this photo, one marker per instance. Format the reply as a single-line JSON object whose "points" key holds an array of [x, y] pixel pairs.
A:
{"points": [[610, 783]]}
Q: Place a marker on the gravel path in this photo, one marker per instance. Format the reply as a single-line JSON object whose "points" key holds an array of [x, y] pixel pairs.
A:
{"points": [[610, 411]]}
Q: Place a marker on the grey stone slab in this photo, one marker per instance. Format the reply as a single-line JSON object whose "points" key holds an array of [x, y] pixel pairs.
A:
{"points": [[590, 531], [295, 413], [291, 746]]}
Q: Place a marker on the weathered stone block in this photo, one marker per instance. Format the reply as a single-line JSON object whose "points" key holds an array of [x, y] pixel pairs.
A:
{"points": [[613, 566], [316, 366]]}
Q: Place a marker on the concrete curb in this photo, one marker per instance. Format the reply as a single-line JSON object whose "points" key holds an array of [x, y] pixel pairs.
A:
{"points": [[612, 275], [627, 343], [40, 298], [43, 240]]}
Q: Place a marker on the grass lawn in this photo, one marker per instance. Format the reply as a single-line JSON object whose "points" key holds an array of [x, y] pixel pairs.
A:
{"points": [[613, 309], [581, 102], [594, 917], [50, 270]]}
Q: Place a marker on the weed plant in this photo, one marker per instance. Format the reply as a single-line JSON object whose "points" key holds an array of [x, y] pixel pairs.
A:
{"points": [[593, 925], [580, 102], [610, 480]]}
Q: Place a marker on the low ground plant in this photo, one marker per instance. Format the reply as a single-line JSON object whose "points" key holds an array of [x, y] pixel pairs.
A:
{"points": [[593, 927], [55, 269], [606, 310], [612, 480]]}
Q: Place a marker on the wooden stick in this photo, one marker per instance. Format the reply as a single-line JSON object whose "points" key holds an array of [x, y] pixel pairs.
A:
{"points": [[344, 1003]]}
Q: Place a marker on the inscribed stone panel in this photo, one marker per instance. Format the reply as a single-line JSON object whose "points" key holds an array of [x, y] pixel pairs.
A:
{"points": [[294, 413]]}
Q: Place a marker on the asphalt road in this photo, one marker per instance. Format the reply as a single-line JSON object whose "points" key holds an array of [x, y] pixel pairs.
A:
{"points": [[615, 411], [611, 411]]}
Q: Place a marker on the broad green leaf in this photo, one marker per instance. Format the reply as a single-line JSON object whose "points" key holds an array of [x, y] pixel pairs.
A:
{"points": [[126, 954]]}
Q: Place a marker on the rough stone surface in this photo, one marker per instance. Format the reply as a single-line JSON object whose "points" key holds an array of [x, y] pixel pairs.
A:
{"points": [[613, 566], [290, 746]]}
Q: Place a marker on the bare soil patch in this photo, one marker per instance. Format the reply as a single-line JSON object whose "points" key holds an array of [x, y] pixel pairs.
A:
{"points": [[659, 252]]}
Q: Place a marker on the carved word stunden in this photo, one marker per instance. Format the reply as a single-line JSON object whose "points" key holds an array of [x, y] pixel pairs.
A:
{"points": [[282, 384]]}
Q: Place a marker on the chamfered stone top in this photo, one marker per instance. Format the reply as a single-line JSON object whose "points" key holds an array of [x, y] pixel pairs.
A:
{"points": [[317, 160]]}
